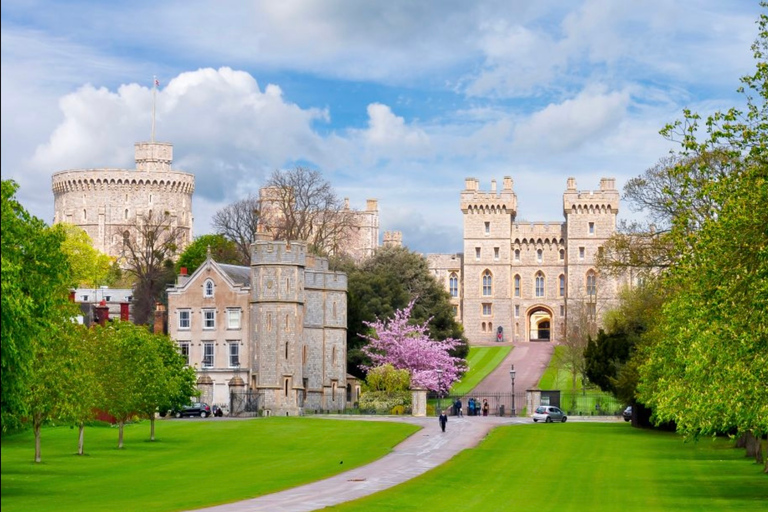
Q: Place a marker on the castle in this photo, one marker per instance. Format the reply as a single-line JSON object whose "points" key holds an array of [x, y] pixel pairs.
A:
{"points": [[107, 203], [277, 327], [529, 281]]}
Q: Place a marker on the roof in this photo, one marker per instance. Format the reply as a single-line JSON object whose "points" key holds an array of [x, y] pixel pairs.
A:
{"points": [[239, 274]]}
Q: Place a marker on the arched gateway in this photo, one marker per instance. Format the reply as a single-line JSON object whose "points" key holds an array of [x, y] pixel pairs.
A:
{"points": [[540, 324]]}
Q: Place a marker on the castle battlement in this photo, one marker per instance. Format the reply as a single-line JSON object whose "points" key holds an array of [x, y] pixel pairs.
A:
{"points": [[475, 201], [268, 252], [604, 200]]}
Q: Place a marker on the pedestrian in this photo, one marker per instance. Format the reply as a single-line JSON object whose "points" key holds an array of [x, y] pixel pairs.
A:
{"points": [[486, 407], [457, 406], [443, 419], [471, 407]]}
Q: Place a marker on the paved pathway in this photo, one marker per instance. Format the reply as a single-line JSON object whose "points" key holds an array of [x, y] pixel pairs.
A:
{"points": [[424, 450]]}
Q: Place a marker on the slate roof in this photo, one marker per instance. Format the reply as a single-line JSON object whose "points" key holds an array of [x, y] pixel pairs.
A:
{"points": [[238, 274]]}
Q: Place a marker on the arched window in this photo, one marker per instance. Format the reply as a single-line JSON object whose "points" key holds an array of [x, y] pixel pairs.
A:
{"points": [[517, 286], [487, 283], [517, 254], [591, 283], [453, 284], [539, 284], [539, 255], [562, 285], [208, 288], [562, 254]]}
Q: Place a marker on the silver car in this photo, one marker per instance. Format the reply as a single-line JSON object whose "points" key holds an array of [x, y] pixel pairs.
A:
{"points": [[548, 414]]}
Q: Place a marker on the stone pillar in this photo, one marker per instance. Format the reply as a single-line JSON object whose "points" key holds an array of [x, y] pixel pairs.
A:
{"points": [[532, 400], [205, 385], [419, 402], [237, 388]]}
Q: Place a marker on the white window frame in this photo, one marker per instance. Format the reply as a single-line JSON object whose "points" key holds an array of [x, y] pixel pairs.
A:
{"points": [[209, 324], [487, 283], [208, 362], [184, 351], [234, 318], [185, 314], [208, 288], [233, 351], [516, 285], [487, 309], [453, 284]]}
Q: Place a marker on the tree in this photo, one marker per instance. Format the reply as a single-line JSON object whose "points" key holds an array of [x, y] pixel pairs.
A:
{"points": [[90, 267], [238, 222], [386, 389], [220, 248], [706, 362], [150, 247], [299, 204], [406, 346], [35, 285], [386, 282]]}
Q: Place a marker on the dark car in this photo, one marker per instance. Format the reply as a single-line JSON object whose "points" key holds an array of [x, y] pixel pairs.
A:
{"points": [[627, 414], [198, 409]]}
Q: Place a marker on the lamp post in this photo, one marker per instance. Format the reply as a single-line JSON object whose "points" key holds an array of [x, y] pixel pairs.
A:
{"points": [[512, 376], [439, 389]]}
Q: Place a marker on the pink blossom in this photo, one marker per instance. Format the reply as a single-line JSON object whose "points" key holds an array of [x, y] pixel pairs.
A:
{"points": [[408, 346]]}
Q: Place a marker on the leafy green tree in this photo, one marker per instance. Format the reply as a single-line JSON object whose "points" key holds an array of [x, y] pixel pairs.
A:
{"points": [[387, 282], [706, 363], [90, 267], [35, 285], [222, 251]]}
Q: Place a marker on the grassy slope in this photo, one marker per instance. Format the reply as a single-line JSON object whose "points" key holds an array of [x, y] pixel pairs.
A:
{"points": [[583, 466], [194, 463], [481, 361]]}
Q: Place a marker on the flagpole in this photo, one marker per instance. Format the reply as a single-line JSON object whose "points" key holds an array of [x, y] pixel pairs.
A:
{"points": [[154, 101]]}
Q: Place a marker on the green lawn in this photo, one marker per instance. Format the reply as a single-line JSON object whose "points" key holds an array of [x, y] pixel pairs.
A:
{"points": [[481, 361], [583, 467], [192, 464]]}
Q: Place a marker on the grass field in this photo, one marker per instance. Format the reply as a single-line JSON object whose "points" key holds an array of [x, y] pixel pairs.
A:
{"points": [[481, 361], [583, 467], [192, 464]]}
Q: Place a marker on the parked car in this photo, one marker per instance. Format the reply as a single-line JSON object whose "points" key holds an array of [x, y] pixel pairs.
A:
{"points": [[627, 414], [198, 409], [548, 414]]}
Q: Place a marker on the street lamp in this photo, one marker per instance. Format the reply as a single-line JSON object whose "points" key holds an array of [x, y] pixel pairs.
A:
{"points": [[512, 376], [439, 389]]}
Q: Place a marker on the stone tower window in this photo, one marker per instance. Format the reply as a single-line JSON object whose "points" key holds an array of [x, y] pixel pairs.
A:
{"points": [[453, 284], [591, 283], [517, 286], [495, 253], [487, 228], [85, 214], [304, 355], [562, 254], [126, 213], [333, 356], [582, 252], [591, 228], [539, 284], [477, 253], [487, 283], [286, 350], [517, 254], [539, 255], [562, 285], [487, 310]]}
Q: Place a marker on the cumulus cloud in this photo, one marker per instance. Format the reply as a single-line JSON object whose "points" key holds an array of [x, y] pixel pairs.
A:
{"points": [[567, 125]]}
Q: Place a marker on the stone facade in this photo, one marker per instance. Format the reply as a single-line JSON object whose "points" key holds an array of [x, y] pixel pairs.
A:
{"points": [[107, 202], [278, 326], [358, 239], [519, 280]]}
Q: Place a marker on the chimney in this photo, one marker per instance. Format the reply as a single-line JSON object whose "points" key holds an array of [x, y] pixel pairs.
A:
{"points": [[183, 277], [125, 311], [101, 312], [159, 327]]}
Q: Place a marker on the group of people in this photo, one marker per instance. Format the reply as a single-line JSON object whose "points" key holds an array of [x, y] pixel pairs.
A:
{"points": [[474, 408]]}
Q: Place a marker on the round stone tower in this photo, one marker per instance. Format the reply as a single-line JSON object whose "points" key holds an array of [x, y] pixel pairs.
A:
{"points": [[107, 202]]}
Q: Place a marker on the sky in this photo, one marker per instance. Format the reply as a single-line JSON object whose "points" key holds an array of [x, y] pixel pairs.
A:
{"points": [[398, 101]]}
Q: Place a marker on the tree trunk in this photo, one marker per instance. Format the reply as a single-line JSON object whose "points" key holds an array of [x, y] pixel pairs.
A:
{"points": [[741, 441], [37, 423], [120, 425], [81, 438], [752, 446], [151, 427]]}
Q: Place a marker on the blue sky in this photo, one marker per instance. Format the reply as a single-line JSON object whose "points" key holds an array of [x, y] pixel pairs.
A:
{"points": [[398, 101]]}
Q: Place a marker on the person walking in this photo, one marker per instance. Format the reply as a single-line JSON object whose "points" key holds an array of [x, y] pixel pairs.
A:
{"points": [[443, 419], [486, 407], [457, 406]]}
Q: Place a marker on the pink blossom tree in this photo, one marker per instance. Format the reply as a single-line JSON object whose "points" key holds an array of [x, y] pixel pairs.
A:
{"points": [[407, 346]]}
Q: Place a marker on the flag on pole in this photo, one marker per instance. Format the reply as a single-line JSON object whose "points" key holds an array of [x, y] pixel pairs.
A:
{"points": [[157, 82]]}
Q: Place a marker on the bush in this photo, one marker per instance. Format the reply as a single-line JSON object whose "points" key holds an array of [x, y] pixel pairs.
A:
{"points": [[382, 402]]}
